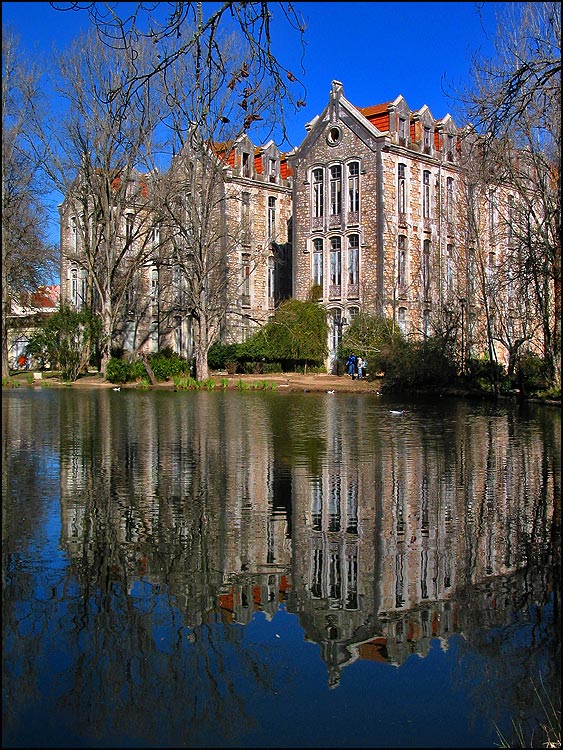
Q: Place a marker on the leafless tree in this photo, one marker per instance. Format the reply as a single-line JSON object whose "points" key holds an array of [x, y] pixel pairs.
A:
{"points": [[193, 30], [27, 259], [515, 100], [200, 207], [100, 157]]}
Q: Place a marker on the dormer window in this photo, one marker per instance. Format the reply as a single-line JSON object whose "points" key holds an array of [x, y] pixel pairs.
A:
{"points": [[449, 147], [245, 164], [427, 140], [402, 131], [272, 169]]}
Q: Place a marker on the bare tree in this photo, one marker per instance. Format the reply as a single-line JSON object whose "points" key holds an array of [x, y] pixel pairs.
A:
{"points": [[100, 157], [515, 99], [200, 205], [27, 259], [193, 30]]}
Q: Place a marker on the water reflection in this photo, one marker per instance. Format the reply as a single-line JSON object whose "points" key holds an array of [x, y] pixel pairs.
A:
{"points": [[186, 516]]}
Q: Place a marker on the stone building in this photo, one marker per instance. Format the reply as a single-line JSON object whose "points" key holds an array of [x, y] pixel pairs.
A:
{"points": [[381, 222], [248, 240], [374, 212]]}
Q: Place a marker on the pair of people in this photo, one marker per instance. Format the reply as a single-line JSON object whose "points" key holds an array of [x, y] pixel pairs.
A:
{"points": [[355, 366]]}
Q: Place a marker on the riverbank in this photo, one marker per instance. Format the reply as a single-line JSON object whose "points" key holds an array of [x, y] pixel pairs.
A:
{"points": [[282, 382], [293, 381]]}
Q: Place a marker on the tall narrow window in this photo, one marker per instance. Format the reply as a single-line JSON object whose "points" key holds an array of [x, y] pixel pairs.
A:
{"points": [[318, 262], [492, 212], [245, 278], [74, 286], [271, 278], [401, 189], [426, 269], [450, 267], [318, 193], [74, 234], [82, 288], [178, 284], [402, 130], [491, 267], [450, 199], [353, 260], [245, 164], [271, 218], [154, 288], [273, 169], [449, 147], [156, 236], [510, 218], [245, 218], [427, 140], [402, 319], [335, 261], [426, 323], [426, 194], [402, 261], [353, 187], [335, 190], [129, 219]]}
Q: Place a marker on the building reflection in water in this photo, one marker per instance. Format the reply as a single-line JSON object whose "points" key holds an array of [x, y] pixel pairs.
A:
{"points": [[379, 534]]}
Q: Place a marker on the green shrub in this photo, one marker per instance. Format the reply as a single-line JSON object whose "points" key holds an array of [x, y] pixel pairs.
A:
{"points": [[531, 374], [166, 364], [118, 371], [422, 365]]}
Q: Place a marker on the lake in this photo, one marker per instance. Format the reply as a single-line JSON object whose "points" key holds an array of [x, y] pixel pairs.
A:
{"points": [[267, 569]]}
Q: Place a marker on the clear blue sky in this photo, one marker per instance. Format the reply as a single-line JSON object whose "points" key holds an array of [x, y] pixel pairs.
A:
{"points": [[377, 50]]}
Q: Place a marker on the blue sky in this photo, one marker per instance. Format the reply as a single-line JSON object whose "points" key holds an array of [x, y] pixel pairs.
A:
{"points": [[377, 50]]}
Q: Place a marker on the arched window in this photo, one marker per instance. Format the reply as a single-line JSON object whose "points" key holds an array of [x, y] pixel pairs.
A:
{"points": [[402, 319], [426, 194], [426, 269], [271, 218], [318, 262], [353, 259], [353, 187], [335, 190], [318, 193], [450, 199], [402, 261], [401, 189], [335, 261]]}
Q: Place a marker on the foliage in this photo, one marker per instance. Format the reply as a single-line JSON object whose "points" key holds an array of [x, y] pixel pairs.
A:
{"points": [[185, 383], [295, 337], [297, 333], [485, 374], [532, 374], [66, 340], [27, 259], [419, 365], [167, 364], [375, 338]]}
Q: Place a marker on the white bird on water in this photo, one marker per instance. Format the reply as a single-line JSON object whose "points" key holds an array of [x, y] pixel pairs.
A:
{"points": [[116, 389], [395, 411], [330, 391]]}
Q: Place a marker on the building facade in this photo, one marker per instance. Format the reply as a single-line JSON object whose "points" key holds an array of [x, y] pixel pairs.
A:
{"points": [[375, 212], [383, 224]]}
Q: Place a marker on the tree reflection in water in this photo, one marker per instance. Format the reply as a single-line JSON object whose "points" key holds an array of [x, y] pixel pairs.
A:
{"points": [[144, 532]]}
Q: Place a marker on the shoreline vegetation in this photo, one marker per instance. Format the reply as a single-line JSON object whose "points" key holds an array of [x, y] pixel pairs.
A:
{"points": [[279, 382]]}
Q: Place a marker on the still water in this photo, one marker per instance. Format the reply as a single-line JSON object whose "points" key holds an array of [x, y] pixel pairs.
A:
{"points": [[267, 569]]}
